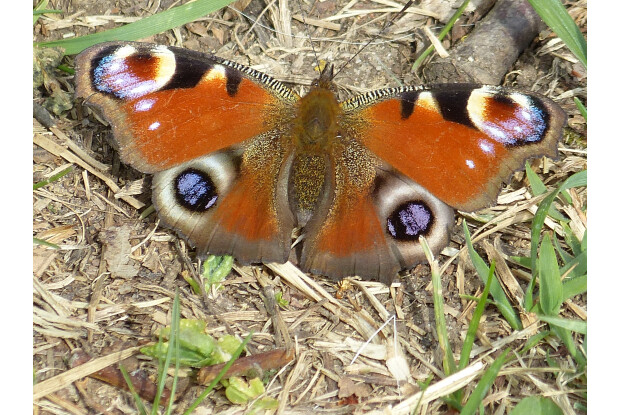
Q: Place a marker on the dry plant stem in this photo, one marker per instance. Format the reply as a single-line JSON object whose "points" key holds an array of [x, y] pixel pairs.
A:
{"points": [[281, 333], [63, 380], [248, 366], [491, 49], [102, 275], [60, 151], [442, 388], [63, 403], [146, 388]]}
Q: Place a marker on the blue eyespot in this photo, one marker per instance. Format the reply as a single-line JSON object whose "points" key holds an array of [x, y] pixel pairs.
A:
{"points": [[195, 190]]}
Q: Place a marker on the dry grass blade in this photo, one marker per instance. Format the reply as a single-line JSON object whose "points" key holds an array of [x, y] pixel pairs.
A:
{"points": [[65, 379]]}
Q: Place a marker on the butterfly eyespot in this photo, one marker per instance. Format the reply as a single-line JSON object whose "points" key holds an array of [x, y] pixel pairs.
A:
{"points": [[128, 73], [410, 220], [195, 190]]}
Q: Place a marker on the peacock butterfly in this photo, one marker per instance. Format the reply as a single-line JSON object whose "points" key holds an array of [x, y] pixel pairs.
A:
{"points": [[240, 160]]}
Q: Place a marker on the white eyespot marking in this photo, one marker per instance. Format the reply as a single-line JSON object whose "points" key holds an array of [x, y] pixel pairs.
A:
{"points": [[217, 72], [427, 101], [166, 64], [129, 73], [124, 52], [525, 114], [486, 146], [154, 126], [470, 164], [144, 105], [495, 132]]}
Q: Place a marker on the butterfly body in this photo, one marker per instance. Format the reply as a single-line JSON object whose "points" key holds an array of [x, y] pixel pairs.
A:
{"points": [[240, 160]]}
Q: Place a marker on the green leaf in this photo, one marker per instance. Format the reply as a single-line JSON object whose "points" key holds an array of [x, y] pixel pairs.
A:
{"points": [[215, 269], [196, 348], [550, 279], [536, 405], [557, 18], [240, 392], [219, 376], [149, 26]]}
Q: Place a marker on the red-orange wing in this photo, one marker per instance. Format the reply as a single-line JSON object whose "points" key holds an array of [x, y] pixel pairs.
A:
{"points": [[457, 141], [170, 105], [212, 132]]}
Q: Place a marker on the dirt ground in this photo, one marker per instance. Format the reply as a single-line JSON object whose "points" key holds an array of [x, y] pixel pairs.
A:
{"points": [[110, 285]]}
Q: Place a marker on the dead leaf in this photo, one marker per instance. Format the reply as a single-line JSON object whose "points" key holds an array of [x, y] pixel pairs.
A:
{"points": [[118, 250]]}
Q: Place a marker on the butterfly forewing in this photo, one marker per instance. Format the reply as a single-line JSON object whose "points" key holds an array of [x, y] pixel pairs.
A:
{"points": [[460, 142]]}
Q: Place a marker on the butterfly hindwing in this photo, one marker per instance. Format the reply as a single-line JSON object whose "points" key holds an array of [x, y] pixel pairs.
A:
{"points": [[370, 219], [230, 202], [457, 141]]}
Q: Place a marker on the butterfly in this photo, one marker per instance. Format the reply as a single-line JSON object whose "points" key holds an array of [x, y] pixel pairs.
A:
{"points": [[239, 160]]}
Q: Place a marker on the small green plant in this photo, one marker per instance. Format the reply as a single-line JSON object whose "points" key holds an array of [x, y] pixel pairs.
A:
{"points": [[185, 343]]}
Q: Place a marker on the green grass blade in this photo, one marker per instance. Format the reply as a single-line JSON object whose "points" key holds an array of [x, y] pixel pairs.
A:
{"points": [[533, 341], [132, 390], [536, 405], [582, 108], [579, 266], [549, 279], [161, 381], [442, 34], [557, 18], [537, 185], [576, 180], [486, 381], [578, 326], [38, 241], [475, 321], [51, 179], [567, 338], [501, 301], [146, 27], [574, 286], [538, 188], [37, 9], [174, 344], [449, 363]]}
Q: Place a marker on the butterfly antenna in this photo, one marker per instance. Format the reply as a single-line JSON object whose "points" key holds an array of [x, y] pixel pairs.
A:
{"points": [[307, 30], [385, 27]]}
